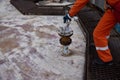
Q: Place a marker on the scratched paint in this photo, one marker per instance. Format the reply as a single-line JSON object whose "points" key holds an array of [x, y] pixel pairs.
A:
{"points": [[30, 48]]}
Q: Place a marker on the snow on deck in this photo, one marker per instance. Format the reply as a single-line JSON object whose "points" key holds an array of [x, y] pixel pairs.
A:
{"points": [[55, 4], [30, 48]]}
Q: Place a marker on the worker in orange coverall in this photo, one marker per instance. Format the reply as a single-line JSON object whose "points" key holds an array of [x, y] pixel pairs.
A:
{"points": [[101, 32]]}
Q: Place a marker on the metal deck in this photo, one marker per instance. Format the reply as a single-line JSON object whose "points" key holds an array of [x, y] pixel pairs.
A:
{"points": [[29, 7], [89, 17]]}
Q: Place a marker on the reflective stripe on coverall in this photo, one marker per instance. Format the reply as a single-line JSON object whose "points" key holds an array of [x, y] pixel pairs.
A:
{"points": [[101, 33], [102, 30]]}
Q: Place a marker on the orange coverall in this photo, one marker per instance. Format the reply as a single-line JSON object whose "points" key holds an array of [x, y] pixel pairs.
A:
{"points": [[102, 30]]}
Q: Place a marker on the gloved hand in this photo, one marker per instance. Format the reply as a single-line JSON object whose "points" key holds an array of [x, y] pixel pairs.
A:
{"points": [[66, 18]]}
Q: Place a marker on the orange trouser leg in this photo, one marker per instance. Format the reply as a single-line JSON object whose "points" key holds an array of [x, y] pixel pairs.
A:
{"points": [[101, 33]]}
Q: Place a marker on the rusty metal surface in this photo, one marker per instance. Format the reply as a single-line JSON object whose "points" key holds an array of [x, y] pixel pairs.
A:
{"points": [[30, 48]]}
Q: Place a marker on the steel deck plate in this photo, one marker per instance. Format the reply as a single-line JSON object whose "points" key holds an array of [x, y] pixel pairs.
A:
{"points": [[28, 7]]}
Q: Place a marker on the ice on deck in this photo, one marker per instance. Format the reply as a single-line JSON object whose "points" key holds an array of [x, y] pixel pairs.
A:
{"points": [[30, 48]]}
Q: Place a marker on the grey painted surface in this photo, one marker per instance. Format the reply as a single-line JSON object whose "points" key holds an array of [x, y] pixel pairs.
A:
{"points": [[99, 3]]}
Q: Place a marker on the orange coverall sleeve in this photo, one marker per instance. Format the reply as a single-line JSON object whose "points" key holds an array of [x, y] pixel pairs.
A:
{"points": [[113, 2], [77, 6]]}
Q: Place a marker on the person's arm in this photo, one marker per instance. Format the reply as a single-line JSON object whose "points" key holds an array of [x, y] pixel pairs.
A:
{"points": [[78, 5], [75, 9]]}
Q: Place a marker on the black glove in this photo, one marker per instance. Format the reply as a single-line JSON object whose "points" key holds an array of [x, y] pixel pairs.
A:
{"points": [[66, 18]]}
